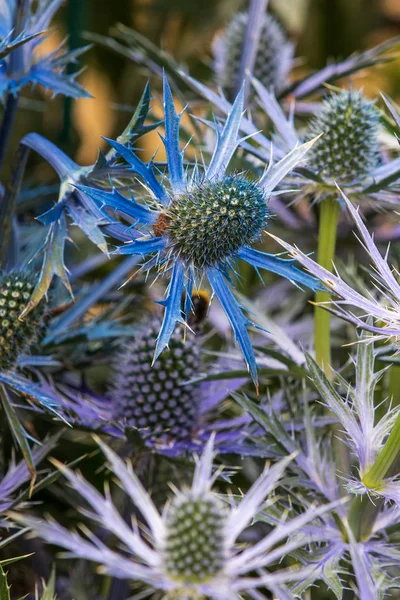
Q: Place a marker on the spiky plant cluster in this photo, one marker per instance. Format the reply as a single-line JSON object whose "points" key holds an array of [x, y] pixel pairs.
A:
{"points": [[18, 335], [213, 221], [348, 149], [270, 64], [156, 398], [194, 549]]}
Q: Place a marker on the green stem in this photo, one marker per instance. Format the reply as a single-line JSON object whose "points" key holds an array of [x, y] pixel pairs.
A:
{"points": [[385, 459], [329, 217], [362, 515], [394, 385], [328, 223], [363, 511]]}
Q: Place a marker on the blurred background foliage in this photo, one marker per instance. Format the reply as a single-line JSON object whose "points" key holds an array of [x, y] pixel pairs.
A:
{"points": [[322, 30]]}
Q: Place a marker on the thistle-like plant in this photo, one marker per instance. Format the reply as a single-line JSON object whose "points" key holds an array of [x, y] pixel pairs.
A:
{"points": [[273, 60], [191, 549], [359, 537], [168, 404], [17, 335], [201, 223], [348, 151], [381, 304], [71, 203], [157, 398], [21, 33]]}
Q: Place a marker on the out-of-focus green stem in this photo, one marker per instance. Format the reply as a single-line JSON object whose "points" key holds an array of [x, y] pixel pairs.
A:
{"points": [[328, 221]]}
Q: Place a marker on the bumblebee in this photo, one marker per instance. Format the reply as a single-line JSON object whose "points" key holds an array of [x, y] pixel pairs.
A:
{"points": [[198, 314]]}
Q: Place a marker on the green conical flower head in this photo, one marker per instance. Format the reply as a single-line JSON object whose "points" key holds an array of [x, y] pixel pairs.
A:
{"points": [[17, 336], [273, 58], [194, 549], [156, 398], [348, 150], [213, 221]]}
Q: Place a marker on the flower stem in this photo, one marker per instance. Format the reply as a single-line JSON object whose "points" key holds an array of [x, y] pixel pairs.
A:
{"points": [[329, 216], [394, 384], [385, 459], [362, 516], [363, 511]]}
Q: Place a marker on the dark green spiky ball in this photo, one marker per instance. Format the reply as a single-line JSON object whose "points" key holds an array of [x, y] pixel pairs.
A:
{"points": [[156, 399], [17, 336], [211, 223], [349, 149], [273, 59], [194, 549]]}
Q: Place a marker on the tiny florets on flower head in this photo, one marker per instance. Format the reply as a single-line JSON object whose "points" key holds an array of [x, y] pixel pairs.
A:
{"points": [[17, 335], [272, 59], [202, 224], [156, 398], [348, 150], [211, 222], [194, 548]]}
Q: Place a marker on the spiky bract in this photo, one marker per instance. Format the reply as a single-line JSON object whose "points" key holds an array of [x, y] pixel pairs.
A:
{"points": [[194, 549], [348, 149], [156, 399], [17, 335], [212, 222], [269, 67]]}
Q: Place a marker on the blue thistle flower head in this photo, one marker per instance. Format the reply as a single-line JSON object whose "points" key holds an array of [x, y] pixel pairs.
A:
{"points": [[274, 56], [348, 151], [199, 225], [17, 335], [213, 221], [157, 399]]}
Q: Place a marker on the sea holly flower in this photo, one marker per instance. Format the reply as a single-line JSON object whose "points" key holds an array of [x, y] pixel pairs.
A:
{"points": [[363, 548], [136, 47], [273, 57], [72, 204], [23, 64], [19, 336], [190, 549], [16, 335], [201, 223], [349, 152], [166, 406]]}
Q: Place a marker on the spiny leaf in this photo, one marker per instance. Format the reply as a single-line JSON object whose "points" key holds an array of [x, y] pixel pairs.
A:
{"points": [[18, 432]]}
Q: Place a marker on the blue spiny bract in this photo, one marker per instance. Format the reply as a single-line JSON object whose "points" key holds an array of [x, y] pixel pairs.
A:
{"points": [[212, 222], [154, 398], [348, 149], [273, 58], [194, 549], [197, 223], [17, 335]]}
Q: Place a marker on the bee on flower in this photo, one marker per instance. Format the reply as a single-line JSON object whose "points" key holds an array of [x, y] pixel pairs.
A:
{"points": [[197, 224]]}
